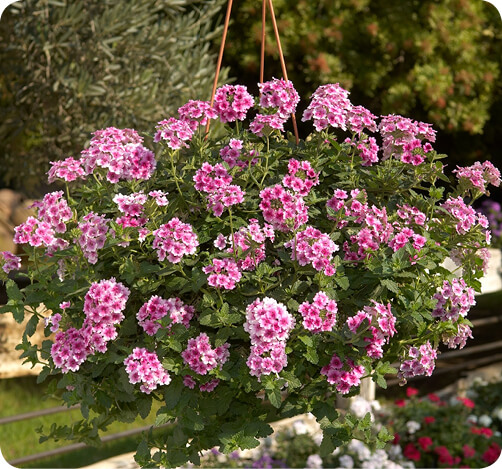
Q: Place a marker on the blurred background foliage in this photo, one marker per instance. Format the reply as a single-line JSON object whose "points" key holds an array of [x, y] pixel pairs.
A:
{"points": [[438, 61], [68, 68]]}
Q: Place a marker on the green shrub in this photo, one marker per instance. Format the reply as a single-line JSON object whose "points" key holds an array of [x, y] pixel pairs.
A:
{"points": [[436, 61], [69, 68]]}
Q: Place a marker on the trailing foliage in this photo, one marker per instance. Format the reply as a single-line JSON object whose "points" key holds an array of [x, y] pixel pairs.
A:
{"points": [[244, 278]]}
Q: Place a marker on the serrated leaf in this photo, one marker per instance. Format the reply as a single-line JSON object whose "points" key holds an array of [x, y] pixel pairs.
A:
{"points": [[274, 396], [390, 285]]}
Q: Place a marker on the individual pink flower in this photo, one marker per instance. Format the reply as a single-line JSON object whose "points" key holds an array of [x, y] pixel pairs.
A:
{"points": [[174, 132], [223, 273], [320, 315], [144, 367], [173, 240], [282, 209], [311, 246], [301, 177]]}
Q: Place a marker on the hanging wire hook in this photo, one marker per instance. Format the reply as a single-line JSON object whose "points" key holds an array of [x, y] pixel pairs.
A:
{"points": [[220, 58], [262, 55]]}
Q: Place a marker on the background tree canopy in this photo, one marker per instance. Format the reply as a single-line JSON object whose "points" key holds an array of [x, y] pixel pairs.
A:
{"points": [[68, 68], [438, 61]]}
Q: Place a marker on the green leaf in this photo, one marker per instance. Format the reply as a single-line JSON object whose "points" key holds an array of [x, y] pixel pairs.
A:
{"points": [[311, 355], [343, 282], [274, 396], [13, 292], [31, 326], [173, 393], [390, 285], [144, 407]]}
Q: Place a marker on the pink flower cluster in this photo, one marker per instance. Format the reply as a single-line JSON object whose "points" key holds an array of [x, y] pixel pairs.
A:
{"points": [[157, 308], [403, 237], [216, 183], [402, 137], [265, 124], [342, 375], [34, 232], [453, 300], [196, 113], [368, 150], [175, 132], [174, 240], [320, 315], [54, 210], [232, 102], [465, 215], [268, 324], [329, 106], [9, 261], [421, 362], [354, 206], [103, 306], [459, 339], [144, 367], [232, 154], [250, 242], [301, 177], [93, 230], [359, 118], [160, 198], [411, 215], [279, 95], [121, 152], [201, 357], [68, 170], [478, 176], [282, 209], [223, 273], [381, 326], [311, 246], [132, 206]]}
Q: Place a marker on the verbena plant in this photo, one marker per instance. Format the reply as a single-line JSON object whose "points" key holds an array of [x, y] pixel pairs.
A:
{"points": [[247, 278]]}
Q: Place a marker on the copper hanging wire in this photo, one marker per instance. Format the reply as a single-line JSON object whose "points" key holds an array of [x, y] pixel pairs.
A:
{"points": [[283, 63], [220, 59], [262, 54], [263, 38]]}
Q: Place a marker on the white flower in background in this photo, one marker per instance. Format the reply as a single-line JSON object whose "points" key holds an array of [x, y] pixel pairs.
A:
{"points": [[346, 461], [497, 413], [485, 420], [408, 465], [376, 405], [412, 426], [314, 461], [395, 451], [317, 437], [359, 406], [472, 419], [360, 448], [299, 427]]}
